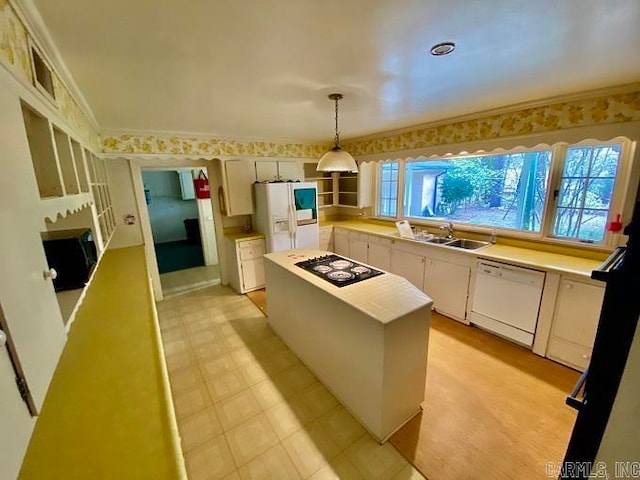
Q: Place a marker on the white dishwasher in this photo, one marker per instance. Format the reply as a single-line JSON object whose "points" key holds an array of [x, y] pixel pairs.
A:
{"points": [[506, 300]]}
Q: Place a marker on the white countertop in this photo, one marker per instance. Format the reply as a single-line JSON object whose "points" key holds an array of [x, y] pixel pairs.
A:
{"points": [[502, 253], [384, 298]]}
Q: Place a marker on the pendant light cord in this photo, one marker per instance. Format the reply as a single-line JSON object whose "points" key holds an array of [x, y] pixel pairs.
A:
{"points": [[337, 139]]}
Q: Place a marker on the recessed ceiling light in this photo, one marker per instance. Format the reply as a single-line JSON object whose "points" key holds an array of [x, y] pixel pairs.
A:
{"points": [[444, 48]]}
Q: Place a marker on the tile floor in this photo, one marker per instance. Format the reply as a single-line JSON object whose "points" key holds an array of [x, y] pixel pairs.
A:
{"points": [[189, 279], [247, 408]]}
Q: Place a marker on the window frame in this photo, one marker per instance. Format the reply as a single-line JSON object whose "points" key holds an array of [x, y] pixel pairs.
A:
{"points": [[378, 186], [619, 200]]}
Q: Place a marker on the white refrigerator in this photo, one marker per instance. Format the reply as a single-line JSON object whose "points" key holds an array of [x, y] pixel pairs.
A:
{"points": [[287, 214]]}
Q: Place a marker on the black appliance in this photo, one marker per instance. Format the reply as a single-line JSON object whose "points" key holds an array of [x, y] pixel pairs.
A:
{"points": [[600, 381], [338, 270], [72, 253]]}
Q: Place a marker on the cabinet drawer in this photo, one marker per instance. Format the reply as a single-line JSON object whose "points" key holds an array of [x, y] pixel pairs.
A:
{"points": [[251, 243], [249, 252]]}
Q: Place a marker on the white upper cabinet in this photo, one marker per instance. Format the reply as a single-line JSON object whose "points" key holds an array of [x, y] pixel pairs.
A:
{"points": [[269, 171], [266, 171], [238, 179], [290, 171]]}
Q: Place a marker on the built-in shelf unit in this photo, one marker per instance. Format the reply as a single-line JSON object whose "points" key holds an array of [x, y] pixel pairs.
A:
{"points": [[334, 189]]}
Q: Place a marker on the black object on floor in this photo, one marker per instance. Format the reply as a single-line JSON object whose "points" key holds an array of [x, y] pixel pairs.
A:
{"points": [[180, 255]]}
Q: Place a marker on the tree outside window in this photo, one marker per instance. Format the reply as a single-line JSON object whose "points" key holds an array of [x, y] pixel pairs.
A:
{"points": [[503, 191], [586, 188]]}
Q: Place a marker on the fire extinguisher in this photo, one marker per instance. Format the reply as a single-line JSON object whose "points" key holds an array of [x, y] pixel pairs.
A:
{"points": [[201, 185]]}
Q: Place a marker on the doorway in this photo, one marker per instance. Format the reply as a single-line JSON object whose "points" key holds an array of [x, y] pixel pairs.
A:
{"points": [[182, 229]]}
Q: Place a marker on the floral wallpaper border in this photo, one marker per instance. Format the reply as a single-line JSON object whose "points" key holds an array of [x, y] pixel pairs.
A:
{"points": [[14, 50], [609, 109], [178, 145]]}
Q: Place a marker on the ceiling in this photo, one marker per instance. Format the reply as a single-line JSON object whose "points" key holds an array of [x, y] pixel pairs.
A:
{"points": [[262, 69]]}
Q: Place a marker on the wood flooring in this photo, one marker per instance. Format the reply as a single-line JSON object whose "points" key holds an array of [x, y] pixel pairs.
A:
{"points": [[492, 409]]}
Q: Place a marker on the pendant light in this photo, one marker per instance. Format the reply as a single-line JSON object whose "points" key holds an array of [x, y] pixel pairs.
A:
{"points": [[336, 159]]}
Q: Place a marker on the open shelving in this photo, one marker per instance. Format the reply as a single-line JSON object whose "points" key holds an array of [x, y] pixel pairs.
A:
{"points": [[43, 156], [325, 182]]}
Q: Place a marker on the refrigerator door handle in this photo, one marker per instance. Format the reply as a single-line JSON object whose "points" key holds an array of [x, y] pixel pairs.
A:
{"points": [[572, 400], [294, 222]]}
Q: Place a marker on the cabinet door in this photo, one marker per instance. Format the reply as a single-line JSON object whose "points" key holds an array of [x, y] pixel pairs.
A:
{"points": [[448, 285], [326, 239], [575, 322], [238, 180], [578, 312], [266, 171], [408, 265], [358, 247], [380, 253], [341, 242], [252, 274], [290, 171]]}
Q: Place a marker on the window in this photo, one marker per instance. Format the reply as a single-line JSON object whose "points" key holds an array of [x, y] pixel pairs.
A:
{"points": [[585, 192], [564, 192], [502, 191], [388, 193]]}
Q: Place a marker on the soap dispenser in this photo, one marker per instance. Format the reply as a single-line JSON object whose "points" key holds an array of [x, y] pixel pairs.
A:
{"points": [[494, 237]]}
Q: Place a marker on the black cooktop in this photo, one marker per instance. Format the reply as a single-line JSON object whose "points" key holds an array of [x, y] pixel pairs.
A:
{"points": [[338, 270]]}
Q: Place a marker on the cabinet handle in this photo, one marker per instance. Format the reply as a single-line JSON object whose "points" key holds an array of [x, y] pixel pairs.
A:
{"points": [[586, 357], [568, 286]]}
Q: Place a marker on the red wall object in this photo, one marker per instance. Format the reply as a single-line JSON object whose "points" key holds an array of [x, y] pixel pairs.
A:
{"points": [[201, 185]]}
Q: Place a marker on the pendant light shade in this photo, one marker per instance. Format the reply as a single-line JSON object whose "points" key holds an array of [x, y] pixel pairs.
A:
{"points": [[336, 159]]}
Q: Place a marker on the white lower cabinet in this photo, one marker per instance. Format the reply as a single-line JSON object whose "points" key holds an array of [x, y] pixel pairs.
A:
{"points": [[448, 285], [379, 252], [247, 264], [341, 241], [575, 321], [359, 246], [408, 264]]}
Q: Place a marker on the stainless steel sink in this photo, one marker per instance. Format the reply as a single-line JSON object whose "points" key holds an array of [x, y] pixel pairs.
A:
{"points": [[467, 244], [439, 240]]}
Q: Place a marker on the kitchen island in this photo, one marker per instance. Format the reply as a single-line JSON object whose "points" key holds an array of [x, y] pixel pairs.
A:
{"points": [[366, 342]]}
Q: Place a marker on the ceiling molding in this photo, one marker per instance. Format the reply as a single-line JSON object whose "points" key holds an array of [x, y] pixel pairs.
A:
{"points": [[37, 30]]}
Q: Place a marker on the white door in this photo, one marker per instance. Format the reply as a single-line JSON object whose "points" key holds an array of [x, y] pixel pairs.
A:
{"points": [[448, 285], [29, 302], [408, 265]]}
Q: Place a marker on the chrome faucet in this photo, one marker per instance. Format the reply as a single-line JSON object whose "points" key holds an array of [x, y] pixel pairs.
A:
{"points": [[449, 228]]}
